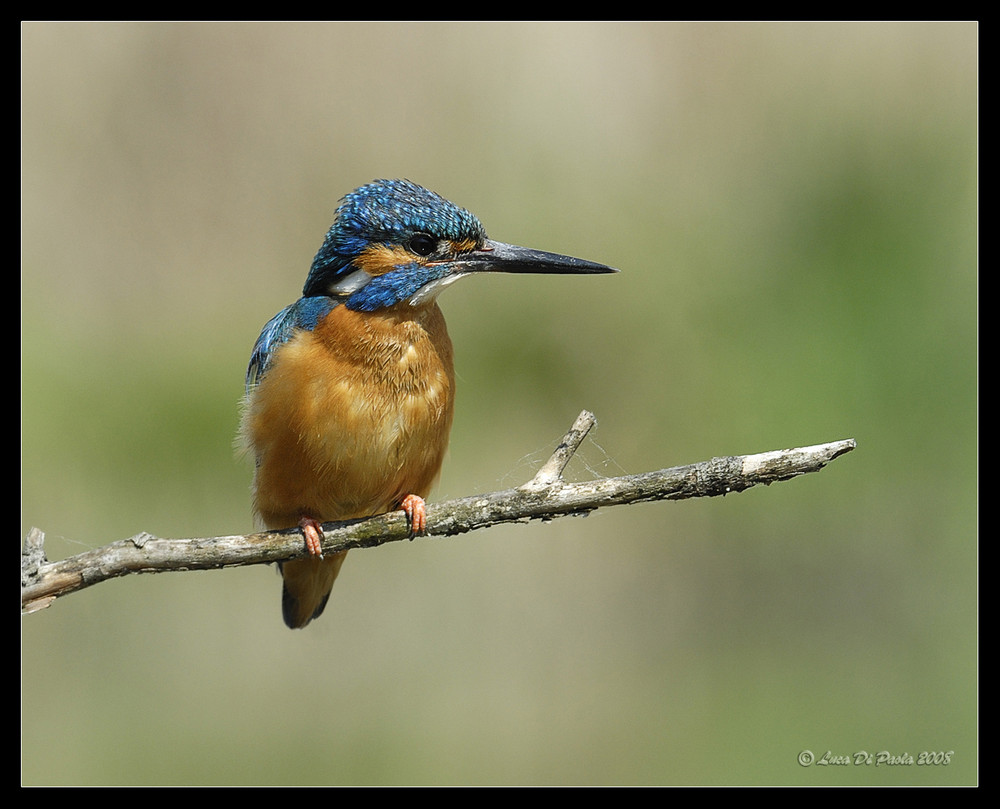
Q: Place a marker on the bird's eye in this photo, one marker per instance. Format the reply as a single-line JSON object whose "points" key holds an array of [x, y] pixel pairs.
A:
{"points": [[422, 244]]}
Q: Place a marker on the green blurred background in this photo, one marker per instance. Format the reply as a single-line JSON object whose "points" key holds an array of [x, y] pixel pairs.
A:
{"points": [[794, 210]]}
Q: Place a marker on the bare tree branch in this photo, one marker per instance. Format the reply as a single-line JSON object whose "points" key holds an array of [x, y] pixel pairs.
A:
{"points": [[546, 496]]}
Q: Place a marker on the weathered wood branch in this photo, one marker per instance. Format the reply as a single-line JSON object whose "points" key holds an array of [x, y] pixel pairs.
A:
{"points": [[546, 496]]}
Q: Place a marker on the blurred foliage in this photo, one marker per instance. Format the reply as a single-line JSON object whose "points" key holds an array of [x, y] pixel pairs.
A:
{"points": [[794, 210]]}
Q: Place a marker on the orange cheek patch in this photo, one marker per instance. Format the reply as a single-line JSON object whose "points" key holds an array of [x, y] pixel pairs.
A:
{"points": [[465, 245], [380, 259]]}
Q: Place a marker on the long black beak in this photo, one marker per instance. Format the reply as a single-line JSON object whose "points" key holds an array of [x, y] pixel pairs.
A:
{"points": [[499, 257]]}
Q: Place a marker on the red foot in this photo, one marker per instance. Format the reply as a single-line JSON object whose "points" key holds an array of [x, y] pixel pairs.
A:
{"points": [[313, 532], [416, 513]]}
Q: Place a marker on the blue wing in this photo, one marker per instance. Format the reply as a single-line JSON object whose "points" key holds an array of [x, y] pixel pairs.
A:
{"points": [[305, 313]]}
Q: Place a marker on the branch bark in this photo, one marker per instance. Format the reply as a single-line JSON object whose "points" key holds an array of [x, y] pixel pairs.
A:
{"points": [[545, 497]]}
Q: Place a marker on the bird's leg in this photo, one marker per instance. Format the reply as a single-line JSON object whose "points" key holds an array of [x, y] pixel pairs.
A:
{"points": [[313, 532], [416, 514]]}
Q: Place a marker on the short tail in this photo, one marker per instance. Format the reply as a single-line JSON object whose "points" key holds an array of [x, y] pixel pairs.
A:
{"points": [[307, 586]]}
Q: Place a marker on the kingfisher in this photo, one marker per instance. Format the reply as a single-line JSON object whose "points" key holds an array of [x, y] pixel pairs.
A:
{"points": [[350, 390]]}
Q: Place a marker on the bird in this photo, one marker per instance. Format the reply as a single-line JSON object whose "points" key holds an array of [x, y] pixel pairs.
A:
{"points": [[350, 390]]}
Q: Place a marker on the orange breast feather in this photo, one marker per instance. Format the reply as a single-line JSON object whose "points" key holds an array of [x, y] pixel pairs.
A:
{"points": [[352, 416]]}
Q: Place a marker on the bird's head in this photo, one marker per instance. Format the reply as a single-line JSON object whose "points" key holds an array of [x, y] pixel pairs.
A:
{"points": [[394, 241]]}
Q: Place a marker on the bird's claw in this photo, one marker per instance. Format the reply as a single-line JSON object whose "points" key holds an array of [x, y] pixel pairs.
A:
{"points": [[313, 533], [416, 514]]}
